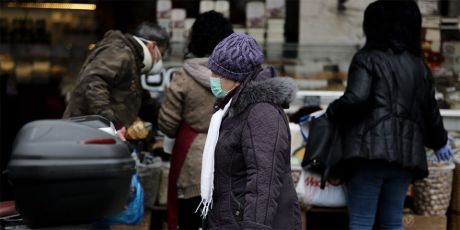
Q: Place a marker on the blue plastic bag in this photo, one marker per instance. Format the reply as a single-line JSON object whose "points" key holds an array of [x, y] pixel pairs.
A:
{"points": [[135, 211]]}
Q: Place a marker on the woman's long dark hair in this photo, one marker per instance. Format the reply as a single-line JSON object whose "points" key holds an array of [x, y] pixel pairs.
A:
{"points": [[207, 31], [393, 24]]}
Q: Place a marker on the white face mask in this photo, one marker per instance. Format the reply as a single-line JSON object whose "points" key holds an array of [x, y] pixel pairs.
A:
{"points": [[158, 66], [150, 68]]}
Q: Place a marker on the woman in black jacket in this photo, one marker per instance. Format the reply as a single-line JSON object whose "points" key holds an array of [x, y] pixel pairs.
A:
{"points": [[387, 115]]}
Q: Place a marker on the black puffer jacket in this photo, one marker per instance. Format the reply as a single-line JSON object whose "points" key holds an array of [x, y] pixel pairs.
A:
{"points": [[253, 187], [388, 111]]}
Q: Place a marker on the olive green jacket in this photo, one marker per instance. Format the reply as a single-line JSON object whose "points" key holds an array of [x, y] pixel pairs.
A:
{"points": [[109, 81]]}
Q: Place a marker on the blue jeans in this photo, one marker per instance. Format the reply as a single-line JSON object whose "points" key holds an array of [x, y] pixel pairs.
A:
{"points": [[376, 191]]}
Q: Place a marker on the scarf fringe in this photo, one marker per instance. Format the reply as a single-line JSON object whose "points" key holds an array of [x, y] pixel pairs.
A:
{"points": [[207, 205]]}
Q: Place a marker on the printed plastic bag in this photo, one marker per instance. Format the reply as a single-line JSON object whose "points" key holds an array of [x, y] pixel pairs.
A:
{"points": [[309, 191], [135, 208]]}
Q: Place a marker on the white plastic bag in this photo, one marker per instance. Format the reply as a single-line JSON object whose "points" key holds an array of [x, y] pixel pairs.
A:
{"points": [[309, 191]]}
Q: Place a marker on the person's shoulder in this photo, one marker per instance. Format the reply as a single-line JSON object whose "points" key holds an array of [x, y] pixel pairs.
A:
{"points": [[180, 81], [113, 33], [116, 39], [180, 75], [263, 110], [364, 55], [367, 58]]}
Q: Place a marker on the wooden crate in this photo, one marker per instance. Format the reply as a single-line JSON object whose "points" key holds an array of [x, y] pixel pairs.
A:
{"points": [[453, 221], [418, 222], [455, 201]]}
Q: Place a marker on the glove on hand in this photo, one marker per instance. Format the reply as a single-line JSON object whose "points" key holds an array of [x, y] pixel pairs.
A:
{"points": [[444, 153], [137, 131]]}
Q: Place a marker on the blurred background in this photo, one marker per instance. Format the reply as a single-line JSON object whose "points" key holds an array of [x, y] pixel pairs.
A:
{"points": [[44, 43]]}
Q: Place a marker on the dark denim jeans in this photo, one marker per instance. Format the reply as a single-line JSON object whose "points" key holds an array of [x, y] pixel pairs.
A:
{"points": [[376, 193]]}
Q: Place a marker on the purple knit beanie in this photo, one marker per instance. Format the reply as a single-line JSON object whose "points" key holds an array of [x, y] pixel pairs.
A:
{"points": [[236, 57]]}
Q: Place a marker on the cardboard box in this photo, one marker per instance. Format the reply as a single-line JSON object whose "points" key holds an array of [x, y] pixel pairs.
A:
{"points": [[223, 7], [178, 35], [206, 6], [453, 221], [275, 37], [165, 23], [275, 25], [258, 34], [451, 51], [188, 27], [417, 222], [239, 30], [164, 9], [276, 8], [178, 18], [431, 22], [255, 15], [428, 7]]}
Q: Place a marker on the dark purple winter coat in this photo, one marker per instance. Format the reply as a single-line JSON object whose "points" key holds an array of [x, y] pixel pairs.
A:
{"points": [[253, 187]]}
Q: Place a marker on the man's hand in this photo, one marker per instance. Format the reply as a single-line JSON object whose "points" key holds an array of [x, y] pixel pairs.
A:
{"points": [[122, 133], [137, 131]]}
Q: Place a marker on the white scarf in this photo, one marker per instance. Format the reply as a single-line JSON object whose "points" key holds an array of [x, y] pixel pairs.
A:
{"points": [[207, 165]]}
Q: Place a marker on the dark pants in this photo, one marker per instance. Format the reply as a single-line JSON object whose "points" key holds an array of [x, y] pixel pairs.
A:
{"points": [[188, 219], [376, 191]]}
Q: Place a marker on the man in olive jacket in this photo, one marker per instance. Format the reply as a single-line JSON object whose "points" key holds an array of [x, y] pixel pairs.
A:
{"points": [[109, 80]]}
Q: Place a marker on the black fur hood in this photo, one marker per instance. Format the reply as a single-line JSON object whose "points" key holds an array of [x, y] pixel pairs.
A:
{"points": [[280, 91]]}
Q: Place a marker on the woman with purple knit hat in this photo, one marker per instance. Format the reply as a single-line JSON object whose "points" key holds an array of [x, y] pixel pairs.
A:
{"points": [[246, 175]]}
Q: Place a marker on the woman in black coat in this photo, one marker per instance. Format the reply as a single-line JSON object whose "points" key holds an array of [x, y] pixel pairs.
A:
{"points": [[387, 115]]}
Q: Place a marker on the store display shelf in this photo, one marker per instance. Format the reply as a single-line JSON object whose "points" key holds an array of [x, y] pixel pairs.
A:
{"points": [[43, 50], [450, 117], [304, 93]]}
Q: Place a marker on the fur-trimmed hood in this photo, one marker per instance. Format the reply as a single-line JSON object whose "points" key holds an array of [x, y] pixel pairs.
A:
{"points": [[267, 88]]}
